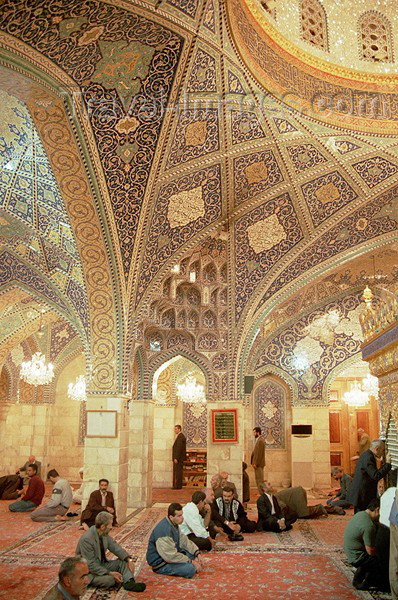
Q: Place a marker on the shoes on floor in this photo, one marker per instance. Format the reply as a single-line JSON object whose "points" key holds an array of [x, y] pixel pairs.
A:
{"points": [[132, 586], [236, 537]]}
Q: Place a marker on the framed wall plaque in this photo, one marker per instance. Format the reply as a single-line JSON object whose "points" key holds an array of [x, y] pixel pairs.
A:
{"points": [[224, 425], [101, 423]]}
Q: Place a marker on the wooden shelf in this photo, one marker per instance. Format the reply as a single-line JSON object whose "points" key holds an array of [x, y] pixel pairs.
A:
{"points": [[193, 477]]}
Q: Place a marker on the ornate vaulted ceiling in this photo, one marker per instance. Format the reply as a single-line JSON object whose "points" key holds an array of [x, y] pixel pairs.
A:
{"points": [[181, 141]]}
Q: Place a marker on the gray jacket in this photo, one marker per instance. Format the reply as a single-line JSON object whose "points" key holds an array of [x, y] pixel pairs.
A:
{"points": [[89, 548]]}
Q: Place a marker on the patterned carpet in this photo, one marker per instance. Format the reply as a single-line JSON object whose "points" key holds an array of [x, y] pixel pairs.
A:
{"points": [[305, 563]]}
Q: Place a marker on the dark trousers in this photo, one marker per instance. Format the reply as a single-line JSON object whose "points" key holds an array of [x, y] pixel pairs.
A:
{"points": [[247, 526], [270, 523], [366, 570], [177, 474], [202, 543]]}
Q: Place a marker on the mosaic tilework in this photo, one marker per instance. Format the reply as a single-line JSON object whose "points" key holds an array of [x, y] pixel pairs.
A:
{"points": [[284, 126], [323, 354], [270, 413], [13, 269], [172, 228], [234, 84], [203, 74], [378, 216], [326, 194], [209, 20], [195, 425], [305, 156], [253, 263], [255, 173], [131, 67], [61, 335], [188, 7], [196, 135], [245, 126], [344, 146], [375, 170]]}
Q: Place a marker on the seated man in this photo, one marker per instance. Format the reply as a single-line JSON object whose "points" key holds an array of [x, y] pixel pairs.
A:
{"points": [[22, 471], [270, 515], [194, 525], [78, 494], [106, 573], [340, 498], [296, 499], [101, 499], [216, 523], [58, 505], [233, 513], [34, 494], [72, 580], [360, 545], [169, 551], [218, 483], [10, 487]]}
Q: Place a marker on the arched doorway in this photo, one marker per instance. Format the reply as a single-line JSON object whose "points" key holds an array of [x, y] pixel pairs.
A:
{"points": [[170, 408]]}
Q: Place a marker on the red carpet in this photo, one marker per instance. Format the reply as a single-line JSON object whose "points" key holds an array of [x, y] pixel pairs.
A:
{"points": [[306, 562]]}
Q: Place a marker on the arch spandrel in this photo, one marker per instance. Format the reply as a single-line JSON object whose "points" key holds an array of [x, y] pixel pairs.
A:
{"points": [[63, 152]]}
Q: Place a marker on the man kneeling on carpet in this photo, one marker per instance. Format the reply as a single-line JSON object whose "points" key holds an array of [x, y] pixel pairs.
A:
{"points": [[72, 580], [169, 551], [270, 515], [360, 546], [106, 573], [195, 525], [58, 505]]}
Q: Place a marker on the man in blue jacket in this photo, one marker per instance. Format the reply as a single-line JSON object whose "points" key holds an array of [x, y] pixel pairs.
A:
{"points": [[169, 551]]}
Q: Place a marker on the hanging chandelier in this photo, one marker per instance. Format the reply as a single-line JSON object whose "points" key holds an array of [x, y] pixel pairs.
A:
{"points": [[77, 390], [190, 391], [356, 396], [37, 371], [370, 385]]}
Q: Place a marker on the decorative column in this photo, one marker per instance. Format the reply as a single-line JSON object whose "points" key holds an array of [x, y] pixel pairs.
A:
{"points": [[106, 454]]}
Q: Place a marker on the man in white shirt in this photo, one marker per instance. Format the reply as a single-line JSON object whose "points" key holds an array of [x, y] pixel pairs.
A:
{"points": [[194, 525], [59, 503], [270, 515]]}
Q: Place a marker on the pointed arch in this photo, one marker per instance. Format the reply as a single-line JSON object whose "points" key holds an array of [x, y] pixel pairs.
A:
{"points": [[314, 27], [374, 37]]}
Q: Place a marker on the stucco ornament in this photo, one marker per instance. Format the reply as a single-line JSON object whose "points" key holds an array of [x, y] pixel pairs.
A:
{"points": [[351, 325], [195, 133], [185, 207], [256, 172], [17, 355], [265, 234], [327, 193], [309, 347], [269, 410], [323, 328]]}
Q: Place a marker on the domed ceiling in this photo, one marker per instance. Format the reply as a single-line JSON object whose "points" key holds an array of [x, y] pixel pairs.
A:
{"points": [[184, 141]]}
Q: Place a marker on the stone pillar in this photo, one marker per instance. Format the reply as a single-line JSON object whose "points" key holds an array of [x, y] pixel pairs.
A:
{"points": [[108, 456], [222, 456], [163, 439], [318, 417], [140, 461]]}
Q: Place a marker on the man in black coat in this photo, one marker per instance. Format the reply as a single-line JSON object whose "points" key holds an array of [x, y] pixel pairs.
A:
{"points": [[179, 455], [363, 488], [270, 515]]}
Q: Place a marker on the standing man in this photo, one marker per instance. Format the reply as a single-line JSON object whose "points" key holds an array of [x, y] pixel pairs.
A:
{"points": [[100, 500], [59, 503], [105, 573], [34, 494], [179, 455], [363, 488], [73, 580], [258, 457]]}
